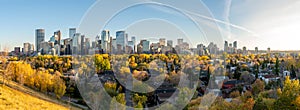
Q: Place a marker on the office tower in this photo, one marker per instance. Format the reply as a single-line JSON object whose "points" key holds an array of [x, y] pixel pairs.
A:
{"points": [[31, 49], [87, 43], [130, 47], [75, 43], [170, 43], [57, 35], [245, 50], [39, 37], [105, 39], [162, 41], [126, 39], [146, 45], [179, 41], [235, 44], [201, 48], [17, 50], [26, 48], [256, 50], [45, 47], [226, 46], [114, 45], [72, 32], [133, 39], [121, 40], [82, 46]]}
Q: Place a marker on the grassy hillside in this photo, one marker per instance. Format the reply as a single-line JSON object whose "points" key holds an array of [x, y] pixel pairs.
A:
{"points": [[12, 99]]}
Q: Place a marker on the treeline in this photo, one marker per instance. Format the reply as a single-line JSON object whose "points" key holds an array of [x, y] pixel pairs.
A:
{"points": [[41, 80]]}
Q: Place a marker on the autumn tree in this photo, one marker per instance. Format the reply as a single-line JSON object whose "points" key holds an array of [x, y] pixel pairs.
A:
{"points": [[288, 96], [118, 102], [58, 85], [257, 87]]}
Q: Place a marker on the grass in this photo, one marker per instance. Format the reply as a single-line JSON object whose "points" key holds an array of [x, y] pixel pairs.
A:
{"points": [[11, 99]]}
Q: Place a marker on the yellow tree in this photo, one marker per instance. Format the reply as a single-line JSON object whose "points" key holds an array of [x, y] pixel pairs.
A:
{"points": [[288, 96], [59, 86]]}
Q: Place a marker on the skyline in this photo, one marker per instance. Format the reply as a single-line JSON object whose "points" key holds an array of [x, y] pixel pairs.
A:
{"points": [[250, 26]]}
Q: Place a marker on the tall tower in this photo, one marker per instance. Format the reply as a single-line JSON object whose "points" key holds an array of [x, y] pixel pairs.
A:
{"points": [[226, 46], [72, 32], [105, 39], [39, 37], [179, 42], [121, 40]]}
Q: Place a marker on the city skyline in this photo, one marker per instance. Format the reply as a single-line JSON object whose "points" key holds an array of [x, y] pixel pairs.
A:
{"points": [[242, 23]]}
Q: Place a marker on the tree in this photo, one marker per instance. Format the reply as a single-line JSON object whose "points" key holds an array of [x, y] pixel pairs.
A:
{"points": [[257, 87], [288, 96], [58, 85], [139, 100], [118, 102]]}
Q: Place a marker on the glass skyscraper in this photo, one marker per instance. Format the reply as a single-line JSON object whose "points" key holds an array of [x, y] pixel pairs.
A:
{"points": [[39, 37], [121, 39]]}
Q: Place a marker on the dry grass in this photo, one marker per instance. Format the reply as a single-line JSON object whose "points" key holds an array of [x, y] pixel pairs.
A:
{"points": [[11, 99]]}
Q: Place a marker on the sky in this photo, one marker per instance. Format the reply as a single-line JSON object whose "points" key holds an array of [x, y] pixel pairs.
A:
{"points": [[273, 23]]}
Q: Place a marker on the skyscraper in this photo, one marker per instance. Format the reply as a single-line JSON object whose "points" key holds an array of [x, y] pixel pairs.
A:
{"points": [[146, 45], [39, 37], [256, 50], [179, 41], [82, 45], [26, 48], [170, 43], [226, 46], [58, 36], [72, 32], [121, 40], [75, 43], [133, 39], [235, 44], [105, 39], [162, 41]]}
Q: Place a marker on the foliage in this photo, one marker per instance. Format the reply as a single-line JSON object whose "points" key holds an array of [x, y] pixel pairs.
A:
{"points": [[257, 87], [139, 100], [288, 95]]}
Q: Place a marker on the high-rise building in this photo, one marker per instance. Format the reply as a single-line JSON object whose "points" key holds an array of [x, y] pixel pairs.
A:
{"points": [[31, 48], [245, 50], [170, 43], [235, 44], [58, 38], [75, 43], [82, 46], [17, 50], [114, 45], [72, 32], [146, 45], [226, 46], [162, 41], [26, 48], [256, 50], [269, 50], [39, 37], [121, 39], [179, 41], [105, 39], [133, 39]]}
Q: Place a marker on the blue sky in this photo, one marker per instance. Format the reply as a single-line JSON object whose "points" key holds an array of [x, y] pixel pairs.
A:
{"points": [[273, 24]]}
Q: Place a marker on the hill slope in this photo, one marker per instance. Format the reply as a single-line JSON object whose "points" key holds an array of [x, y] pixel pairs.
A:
{"points": [[12, 99]]}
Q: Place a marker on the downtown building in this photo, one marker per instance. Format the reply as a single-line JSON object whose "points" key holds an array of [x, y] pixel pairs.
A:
{"points": [[39, 38]]}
